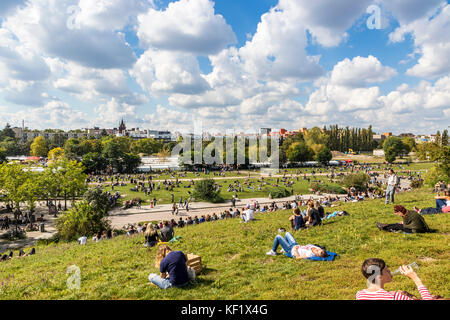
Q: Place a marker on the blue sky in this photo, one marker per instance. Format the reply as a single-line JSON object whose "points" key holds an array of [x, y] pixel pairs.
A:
{"points": [[230, 64]]}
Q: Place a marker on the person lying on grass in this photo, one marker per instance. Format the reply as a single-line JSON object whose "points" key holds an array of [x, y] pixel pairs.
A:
{"points": [[293, 250], [172, 267], [442, 205], [378, 274], [412, 222]]}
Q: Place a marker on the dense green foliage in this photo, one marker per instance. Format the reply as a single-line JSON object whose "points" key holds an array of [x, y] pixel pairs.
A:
{"points": [[207, 190], [327, 188], [358, 181], [83, 219], [20, 185]]}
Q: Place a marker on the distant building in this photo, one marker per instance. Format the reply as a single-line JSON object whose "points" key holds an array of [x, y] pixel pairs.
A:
{"points": [[122, 128], [406, 135]]}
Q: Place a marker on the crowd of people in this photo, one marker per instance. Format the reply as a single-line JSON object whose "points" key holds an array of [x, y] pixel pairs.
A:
{"points": [[173, 264]]}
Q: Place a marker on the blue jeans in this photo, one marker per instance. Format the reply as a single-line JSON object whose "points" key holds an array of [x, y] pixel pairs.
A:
{"points": [[390, 194], [161, 282], [440, 203], [286, 243]]}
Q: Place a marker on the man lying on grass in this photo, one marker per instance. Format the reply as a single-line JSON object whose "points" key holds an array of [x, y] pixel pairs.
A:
{"points": [[378, 274], [412, 222], [294, 250]]}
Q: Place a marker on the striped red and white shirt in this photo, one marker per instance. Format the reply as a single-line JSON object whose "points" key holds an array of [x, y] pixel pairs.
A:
{"points": [[391, 295]]}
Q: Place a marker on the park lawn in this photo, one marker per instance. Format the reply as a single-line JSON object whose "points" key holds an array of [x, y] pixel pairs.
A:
{"points": [[236, 266], [164, 197], [192, 175]]}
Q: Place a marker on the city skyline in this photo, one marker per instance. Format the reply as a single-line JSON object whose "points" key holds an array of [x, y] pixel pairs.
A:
{"points": [[236, 65]]}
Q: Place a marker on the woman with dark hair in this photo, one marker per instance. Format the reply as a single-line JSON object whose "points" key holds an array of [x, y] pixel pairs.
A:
{"points": [[297, 221], [412, 222], [378, 274], [172, 267]]}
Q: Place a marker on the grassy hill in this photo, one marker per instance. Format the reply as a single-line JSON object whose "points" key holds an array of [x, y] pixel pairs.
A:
{"points": [[235, 260]]}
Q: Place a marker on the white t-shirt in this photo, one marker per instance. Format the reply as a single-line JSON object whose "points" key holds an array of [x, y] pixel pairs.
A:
{"points": [[248, 215], [302, 250], [392, 181], [82, 240]]}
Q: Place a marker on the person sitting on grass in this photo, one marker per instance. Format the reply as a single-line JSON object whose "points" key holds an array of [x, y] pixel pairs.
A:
{"points": [[312, 216], [172, 267], [166, 234], [297, 221], [293, 250], [151, 236], [412, 222], [378, 274], [442, 205]]}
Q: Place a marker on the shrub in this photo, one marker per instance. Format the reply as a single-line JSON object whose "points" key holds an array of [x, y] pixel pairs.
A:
{"points": [[358, 181], [416, 184], [278, 193], [325, 188], [98, 200], [81, 220], [14, 234], [206, 190]]}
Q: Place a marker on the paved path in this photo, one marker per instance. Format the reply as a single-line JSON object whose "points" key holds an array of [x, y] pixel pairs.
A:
{"points": [[120, 217]]}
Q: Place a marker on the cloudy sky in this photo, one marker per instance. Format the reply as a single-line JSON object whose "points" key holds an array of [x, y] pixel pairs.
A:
{"points": [[229, 64]]}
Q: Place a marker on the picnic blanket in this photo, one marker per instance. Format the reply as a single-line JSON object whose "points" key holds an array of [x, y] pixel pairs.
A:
{"points": [[331, 257], [174, 239]]}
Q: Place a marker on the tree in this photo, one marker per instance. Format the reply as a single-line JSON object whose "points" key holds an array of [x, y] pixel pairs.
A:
{"points": [[130, 162], [39, 147], [18, 185], [81, 220], [409, 144], [146, 146], [113, 154], [299, 152], [104, 133], [2, 155], [393, 147], [7, 132], [390, 155], [207, 190], [94, 162], [444, 138], [71, 178], [56, 154], [316, 136], [358, 181], [98, 200], [11, 147], [324, 156]]}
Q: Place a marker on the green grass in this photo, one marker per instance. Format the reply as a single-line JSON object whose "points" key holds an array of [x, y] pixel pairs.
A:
{"points": [[235, 260], [164, 197]]}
